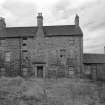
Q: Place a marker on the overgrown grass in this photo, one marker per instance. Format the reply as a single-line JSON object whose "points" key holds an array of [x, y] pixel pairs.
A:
{"points": [[17, 91]]}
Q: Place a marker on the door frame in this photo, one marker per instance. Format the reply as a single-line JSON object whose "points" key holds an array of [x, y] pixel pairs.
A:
{"points": [[35, 69]]}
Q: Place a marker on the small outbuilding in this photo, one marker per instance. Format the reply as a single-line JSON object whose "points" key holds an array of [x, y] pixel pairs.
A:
{"points": [[94, 66]]}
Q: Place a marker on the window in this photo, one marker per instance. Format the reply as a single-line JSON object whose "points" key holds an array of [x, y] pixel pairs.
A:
{"points": [[24, 41], [70, 62], [71, 71], [2, 41], [7, 56], [71, 42], [25, 71], [24, 38], [24, 51], [24, 44], [61, 56], [62, 52]]}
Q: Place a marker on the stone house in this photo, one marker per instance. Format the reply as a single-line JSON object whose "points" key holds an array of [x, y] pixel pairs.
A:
{"points": [[41, 51], [47, 51]]}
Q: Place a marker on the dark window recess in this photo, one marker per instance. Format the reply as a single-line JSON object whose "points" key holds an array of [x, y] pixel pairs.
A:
{"points": [[24, 51], [62, 52], [61, 56], [27, 58], [24, 44], [24, 38]]}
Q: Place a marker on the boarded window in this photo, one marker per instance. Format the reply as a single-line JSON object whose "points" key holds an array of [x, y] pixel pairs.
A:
{"points": [[71, 71], [7, 56]]}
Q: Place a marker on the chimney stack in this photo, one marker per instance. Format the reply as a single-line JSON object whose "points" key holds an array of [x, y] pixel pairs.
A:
{"points": [[2, 23], [39, 20], [77, 20]]}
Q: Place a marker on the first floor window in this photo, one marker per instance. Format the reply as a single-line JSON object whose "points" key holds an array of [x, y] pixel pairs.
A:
{"points": [[62, 52]]}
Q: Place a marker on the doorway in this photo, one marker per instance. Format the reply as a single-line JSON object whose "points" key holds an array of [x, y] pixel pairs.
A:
{"points": [[40, 71]]}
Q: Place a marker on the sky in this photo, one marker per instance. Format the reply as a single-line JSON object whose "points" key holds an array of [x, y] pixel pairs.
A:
{"points": [[60, 12]]}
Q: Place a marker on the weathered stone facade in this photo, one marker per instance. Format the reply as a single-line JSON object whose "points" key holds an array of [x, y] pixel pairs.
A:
{"points": [[65, 51], [10, 52], [43, 51]]}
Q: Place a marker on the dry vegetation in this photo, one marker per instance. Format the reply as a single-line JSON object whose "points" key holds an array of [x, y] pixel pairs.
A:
{"points": [[17, 91]]}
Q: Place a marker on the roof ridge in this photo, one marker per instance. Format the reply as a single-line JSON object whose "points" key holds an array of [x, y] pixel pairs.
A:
{"points": [[57, 25], [94, 53], [37, 26], [23, 27]]}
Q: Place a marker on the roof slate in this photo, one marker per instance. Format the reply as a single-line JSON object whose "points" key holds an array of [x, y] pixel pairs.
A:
{"points": [[94, 58], [64, 30]]}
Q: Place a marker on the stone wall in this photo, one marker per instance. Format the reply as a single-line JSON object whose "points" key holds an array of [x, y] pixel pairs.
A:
{"points": [[10, 51], [56, 51]]}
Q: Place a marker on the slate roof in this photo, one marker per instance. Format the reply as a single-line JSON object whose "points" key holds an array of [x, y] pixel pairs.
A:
{"points": [[49, 31], [94, 58], [62, 30]]}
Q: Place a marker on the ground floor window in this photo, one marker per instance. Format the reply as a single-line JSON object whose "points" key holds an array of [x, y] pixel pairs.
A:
{"points": [[71, 70], [7, 56], [25, 71], [3, 71]]}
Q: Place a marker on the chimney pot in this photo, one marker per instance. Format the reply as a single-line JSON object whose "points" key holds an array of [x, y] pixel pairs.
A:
{"points": [[2, 23], [77, 20], [39, 20]]}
